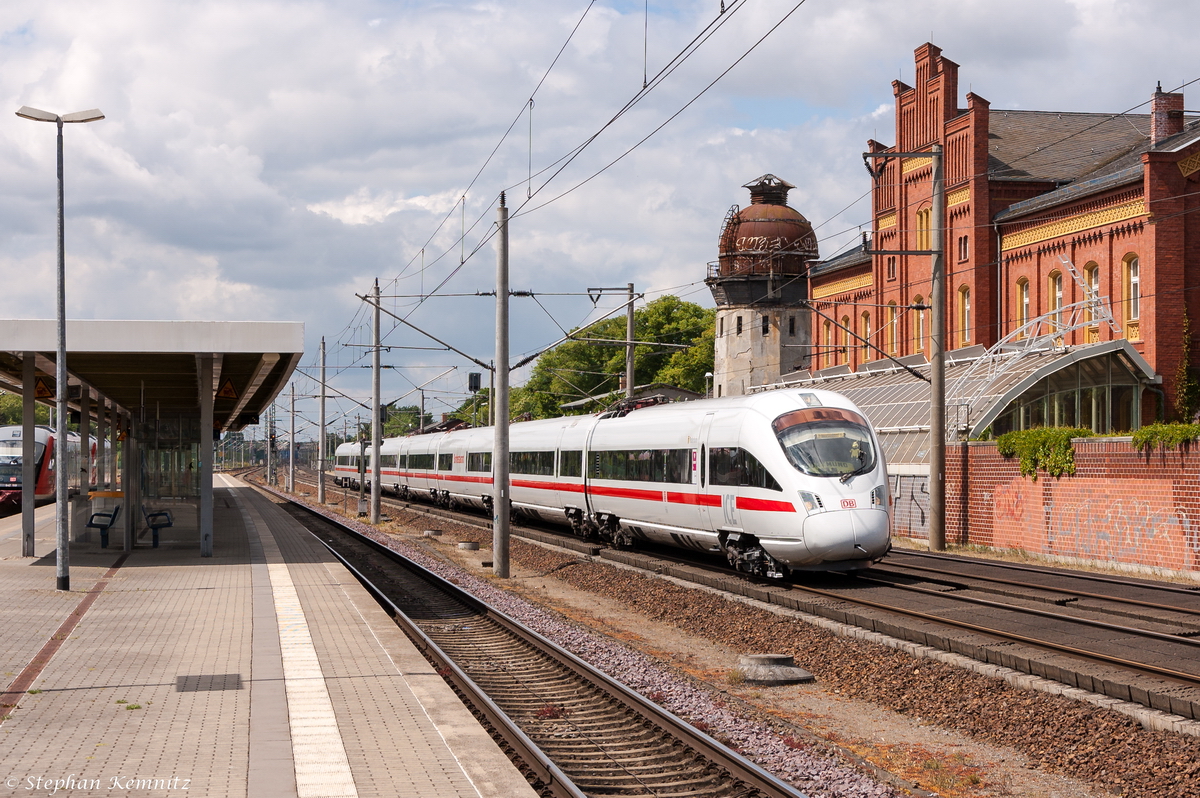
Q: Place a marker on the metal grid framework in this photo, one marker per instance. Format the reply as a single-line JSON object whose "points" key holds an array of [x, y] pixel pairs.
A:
{"points": [[1045, 334]]}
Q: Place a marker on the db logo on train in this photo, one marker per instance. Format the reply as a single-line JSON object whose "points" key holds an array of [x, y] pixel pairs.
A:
{"points": [[849, 504]]}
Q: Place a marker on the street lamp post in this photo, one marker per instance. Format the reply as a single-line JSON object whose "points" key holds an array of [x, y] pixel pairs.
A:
{"points": [[60, 364]]}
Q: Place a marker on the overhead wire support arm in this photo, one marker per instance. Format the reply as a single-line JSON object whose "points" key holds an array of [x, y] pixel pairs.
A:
{"points": [[370, 301], [569, 336]]}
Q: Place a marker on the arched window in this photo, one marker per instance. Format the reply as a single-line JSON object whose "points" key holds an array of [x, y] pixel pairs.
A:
{"points": [[1054, 298], [924, 219], [964, 314], [919, 328], [827, 336], [866, 335], [892, 335], [1022, 302], [844, 351], [1133, 287], [1091, 279]]}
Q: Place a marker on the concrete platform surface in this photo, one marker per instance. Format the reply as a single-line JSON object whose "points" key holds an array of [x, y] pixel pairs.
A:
{"points": [[264, 671]]}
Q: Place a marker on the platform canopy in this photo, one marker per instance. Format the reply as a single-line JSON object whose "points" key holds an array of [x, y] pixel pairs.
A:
{"points": [[155, 366]]}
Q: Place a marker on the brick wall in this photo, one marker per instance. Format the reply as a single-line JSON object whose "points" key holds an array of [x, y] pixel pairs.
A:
{"points": [[1119, 506]]}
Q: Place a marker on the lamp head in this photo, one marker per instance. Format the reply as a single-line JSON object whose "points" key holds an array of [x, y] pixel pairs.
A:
{"points": [[38, 115]]}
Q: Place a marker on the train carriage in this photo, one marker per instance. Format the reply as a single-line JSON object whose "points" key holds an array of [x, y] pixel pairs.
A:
{"points": [[779, 481]]}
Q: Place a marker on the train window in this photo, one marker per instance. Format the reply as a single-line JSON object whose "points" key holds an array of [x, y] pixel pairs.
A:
{"points": [[570, 463], [826, 441], [421, 461], [735, 467], [401, 461], [387, 460], [537, 463], [343, 459], [645, 465], [446, 461], [479, 461]]}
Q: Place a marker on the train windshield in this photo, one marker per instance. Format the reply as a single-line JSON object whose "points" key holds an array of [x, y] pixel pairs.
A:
{"points": [[826, 441], [10, 458]]}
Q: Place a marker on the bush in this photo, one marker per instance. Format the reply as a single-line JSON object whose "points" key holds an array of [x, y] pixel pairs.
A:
{"points": [[1165, 436], [1045, 448]]}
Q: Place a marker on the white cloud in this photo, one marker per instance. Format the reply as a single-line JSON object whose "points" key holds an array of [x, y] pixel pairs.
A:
{"points": [[268, 159], [363, 208]]}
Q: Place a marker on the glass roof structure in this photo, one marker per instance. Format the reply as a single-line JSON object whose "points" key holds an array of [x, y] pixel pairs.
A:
{"points": [[1097, 386]]}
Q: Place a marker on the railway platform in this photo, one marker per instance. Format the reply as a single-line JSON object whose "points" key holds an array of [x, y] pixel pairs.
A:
{"points": [[265, 670]]}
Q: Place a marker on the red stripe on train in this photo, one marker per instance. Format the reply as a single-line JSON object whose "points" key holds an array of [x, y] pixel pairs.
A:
{"points": [[627, 493], [765, 505], [700, 499]]}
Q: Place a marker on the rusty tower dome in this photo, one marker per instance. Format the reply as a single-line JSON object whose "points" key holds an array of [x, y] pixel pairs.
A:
{"points": [[760, 284]]}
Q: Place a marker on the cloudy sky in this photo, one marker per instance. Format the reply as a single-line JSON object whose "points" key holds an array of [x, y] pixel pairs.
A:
{"points": [[264, 159]]}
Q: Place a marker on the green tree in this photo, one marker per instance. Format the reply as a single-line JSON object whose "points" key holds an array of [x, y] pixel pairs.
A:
{"points": [[11, 411], [579, 369], [403, 420]]}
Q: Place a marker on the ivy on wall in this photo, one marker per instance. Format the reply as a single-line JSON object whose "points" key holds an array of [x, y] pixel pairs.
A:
{"points": [[1165, 436], [1046, 448]]}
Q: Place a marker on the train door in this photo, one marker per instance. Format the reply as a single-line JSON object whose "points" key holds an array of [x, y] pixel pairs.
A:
{"points": [[722, 438], [702, 478]]}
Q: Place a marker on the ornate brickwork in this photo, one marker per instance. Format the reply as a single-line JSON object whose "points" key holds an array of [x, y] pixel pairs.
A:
{"points": [[1190, 164], [1074, 224], [886, 221], [958, 196], [842, 286], [913, 164]]}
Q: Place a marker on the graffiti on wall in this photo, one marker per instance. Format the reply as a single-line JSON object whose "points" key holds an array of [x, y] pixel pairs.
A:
{"points": [[1121, 520]]}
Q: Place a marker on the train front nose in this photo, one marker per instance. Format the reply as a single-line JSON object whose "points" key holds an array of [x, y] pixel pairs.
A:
{"points": [[847, 534]]}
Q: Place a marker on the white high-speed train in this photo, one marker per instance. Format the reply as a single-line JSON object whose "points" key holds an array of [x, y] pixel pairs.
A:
{"points": [[777, 481]]}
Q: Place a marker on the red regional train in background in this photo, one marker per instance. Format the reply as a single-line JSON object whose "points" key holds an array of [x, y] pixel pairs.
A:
{"points": [[12, 471], [780, 481]]}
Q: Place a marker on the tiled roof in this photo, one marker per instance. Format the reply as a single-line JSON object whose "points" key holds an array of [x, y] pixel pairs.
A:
{"points": [[1060, 147], [853, 257], [1072, 192], [1116, 172]]}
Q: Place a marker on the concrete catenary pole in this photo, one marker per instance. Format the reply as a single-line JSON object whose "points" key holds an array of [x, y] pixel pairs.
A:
{"points": [[376, 426], [321, 443], [291, 480], [270, 442], [629, 345], [500, 480], [937, 362]]}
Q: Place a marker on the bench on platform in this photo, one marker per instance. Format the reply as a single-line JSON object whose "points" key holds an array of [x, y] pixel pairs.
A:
{"points": [[159, 519], [102, 521]]}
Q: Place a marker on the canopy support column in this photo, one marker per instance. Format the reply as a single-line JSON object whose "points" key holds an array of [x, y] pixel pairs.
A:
{"points": [[206, 455], [28, 466]]}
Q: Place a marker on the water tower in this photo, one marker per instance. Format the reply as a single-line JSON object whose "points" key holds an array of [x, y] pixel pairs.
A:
{"points": [[759, 282]]}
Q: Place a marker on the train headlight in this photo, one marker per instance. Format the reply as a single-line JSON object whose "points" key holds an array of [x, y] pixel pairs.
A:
{"points": [[879, 496], [811, 501]]}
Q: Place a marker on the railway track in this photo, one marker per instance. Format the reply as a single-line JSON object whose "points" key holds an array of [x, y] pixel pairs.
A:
{"points": [[578, 731], [1133, 640]]}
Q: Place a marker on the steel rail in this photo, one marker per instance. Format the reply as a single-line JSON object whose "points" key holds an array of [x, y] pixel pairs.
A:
{"points": [[740, 768], [1012, 636], [1190, 591], [1113, 627], [888, 568]]}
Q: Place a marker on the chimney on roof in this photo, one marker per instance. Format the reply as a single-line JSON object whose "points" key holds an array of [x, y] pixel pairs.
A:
{"points": [[1166, 115]]}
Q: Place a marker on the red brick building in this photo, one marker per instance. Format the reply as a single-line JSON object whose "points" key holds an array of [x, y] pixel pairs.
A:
{"points": [[1116, 194]]}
